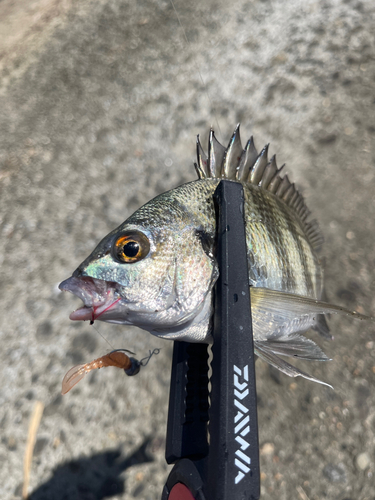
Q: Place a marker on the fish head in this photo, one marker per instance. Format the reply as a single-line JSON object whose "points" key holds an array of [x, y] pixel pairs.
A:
{"points": [[155, 271]]}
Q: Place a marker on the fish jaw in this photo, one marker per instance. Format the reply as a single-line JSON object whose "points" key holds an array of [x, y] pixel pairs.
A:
{"points": [[104, 301], [100, 298]]}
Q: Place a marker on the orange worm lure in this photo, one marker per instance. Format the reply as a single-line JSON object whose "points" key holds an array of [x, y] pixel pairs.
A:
{"points": [[116, 358]]}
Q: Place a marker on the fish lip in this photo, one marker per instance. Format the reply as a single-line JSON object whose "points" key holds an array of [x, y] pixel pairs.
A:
{"points": [[97, 295], [90, 290]]}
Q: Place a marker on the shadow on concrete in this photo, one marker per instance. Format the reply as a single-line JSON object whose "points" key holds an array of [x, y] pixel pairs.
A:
{"points": [[91, 478]]}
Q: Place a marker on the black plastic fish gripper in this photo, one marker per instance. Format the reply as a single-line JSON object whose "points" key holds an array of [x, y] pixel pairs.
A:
{"points": [[215, 446]]}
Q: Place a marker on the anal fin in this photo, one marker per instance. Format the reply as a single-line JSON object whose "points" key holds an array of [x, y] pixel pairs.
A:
{"points": [[295, 346], [267, 355]]}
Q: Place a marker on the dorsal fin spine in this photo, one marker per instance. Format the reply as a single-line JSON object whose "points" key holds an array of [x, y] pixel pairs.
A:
{"points": [[274, 184], [256, 173], [216, 153], [304, 213], [293, 198], [300, 204], [269, 173], [232, 155], [201, 159], [284, 185], [247, 160], [199, 171], [289, 193]]}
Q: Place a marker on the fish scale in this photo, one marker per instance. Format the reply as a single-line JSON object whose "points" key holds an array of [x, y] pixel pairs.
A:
{"points": [[163, 281]]}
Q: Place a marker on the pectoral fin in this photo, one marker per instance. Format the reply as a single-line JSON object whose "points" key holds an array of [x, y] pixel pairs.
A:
{"points": [[279, 314], [291, 305]]}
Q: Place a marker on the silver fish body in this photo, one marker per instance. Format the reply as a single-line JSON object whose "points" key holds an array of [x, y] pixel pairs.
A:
{"points": [[157, 270]]}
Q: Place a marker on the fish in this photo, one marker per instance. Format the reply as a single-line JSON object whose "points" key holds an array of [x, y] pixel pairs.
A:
{"points": [[157, 270]]}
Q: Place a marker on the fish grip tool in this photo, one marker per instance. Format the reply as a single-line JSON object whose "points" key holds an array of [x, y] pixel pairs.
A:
{"points": [[212, 436]]}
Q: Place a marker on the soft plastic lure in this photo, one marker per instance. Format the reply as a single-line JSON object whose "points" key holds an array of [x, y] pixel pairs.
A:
{"points": [[116, 358]]}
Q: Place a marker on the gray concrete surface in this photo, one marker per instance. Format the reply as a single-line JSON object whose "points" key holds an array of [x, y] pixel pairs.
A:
{"points": [[100, 103]]}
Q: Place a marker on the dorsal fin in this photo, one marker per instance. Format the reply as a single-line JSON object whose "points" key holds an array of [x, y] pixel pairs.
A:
{"points": [[246, 165]]}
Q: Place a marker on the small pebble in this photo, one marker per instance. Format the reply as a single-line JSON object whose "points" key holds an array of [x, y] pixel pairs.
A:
{"points": [[267, 449], [363, 461], [335, 473], [12, 443], [350, 235]]}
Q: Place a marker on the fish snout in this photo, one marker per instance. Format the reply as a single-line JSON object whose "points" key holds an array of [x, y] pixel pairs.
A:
{"points": [[89, 290]]}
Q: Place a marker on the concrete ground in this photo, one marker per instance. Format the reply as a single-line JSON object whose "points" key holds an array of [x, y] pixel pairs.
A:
{"points": [[100, 103]]}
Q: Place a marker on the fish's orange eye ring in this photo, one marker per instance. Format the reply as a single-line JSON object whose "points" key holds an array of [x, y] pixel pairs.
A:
{"points": [[131, 247]]}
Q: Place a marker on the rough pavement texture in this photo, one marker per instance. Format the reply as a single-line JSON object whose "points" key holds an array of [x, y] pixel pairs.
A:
{"points": [[100, 103]]}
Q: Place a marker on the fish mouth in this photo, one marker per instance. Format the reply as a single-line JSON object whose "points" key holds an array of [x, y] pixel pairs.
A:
{"points": [[98, 296]]}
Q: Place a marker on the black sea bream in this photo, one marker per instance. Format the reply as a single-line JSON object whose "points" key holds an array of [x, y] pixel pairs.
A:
{"points": [[157, 269]]}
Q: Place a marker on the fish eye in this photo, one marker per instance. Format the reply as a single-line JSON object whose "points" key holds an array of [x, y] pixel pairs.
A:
{"points": [[131, 247]]}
